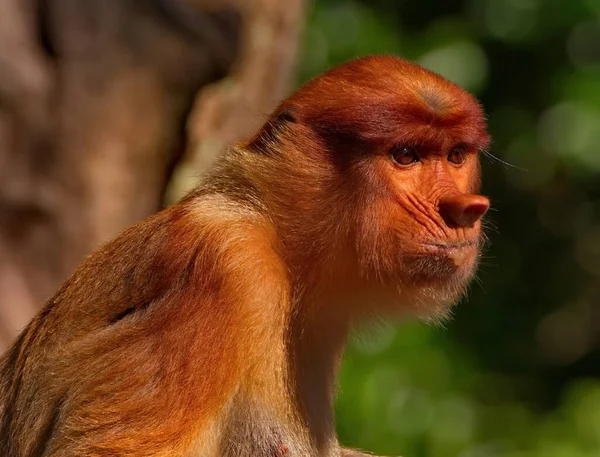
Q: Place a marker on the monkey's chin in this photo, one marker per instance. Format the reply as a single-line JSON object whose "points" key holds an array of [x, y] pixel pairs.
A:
{"points": [[438, 276], [437, 264]]}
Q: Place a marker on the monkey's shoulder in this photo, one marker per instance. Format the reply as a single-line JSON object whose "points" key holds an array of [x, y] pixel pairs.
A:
{"points": [[191, 254]]}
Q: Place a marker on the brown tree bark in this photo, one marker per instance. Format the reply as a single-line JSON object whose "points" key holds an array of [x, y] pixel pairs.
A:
{"points": [[94, 96], [236, 106]]}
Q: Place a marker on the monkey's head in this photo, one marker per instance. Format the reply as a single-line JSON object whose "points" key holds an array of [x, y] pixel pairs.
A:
{"points": [[380, 179]]}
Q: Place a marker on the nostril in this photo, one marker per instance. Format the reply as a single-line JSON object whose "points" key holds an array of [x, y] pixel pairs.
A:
{"points": [[464, 210]]}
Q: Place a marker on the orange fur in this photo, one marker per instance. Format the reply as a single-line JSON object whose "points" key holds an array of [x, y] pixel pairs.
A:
{"points": [[215, 327]]}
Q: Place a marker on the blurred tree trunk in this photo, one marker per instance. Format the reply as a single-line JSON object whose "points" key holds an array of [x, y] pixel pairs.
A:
{"points": [[94, 103], [236, 106]]}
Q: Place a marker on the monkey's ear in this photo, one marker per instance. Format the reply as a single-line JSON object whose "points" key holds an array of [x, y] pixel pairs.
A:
{"points": [[269, 134]]}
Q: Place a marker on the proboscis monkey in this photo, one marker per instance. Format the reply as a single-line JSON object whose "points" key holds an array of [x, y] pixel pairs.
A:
{"points": [[215, 328]]}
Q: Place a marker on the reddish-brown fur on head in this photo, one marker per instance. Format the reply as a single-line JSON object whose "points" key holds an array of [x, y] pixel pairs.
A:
{"points": [[387, 100]]}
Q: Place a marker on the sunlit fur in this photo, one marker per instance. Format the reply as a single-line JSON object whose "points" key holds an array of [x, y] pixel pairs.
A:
{"points": [[215, 328]]}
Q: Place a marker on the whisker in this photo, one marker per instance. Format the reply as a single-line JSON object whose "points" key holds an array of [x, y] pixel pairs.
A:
{"points": [[502, 162]]}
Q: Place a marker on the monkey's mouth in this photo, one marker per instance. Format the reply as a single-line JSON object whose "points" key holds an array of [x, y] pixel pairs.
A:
{"points": [[459, 252], [453, 244], [443, 260]]}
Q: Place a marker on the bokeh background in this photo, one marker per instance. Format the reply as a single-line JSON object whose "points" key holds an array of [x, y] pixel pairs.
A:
{"points": [[516, 373]]}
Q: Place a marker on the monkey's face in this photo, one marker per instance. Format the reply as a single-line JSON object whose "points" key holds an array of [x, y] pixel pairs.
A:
{"points": [[409, 147], [421, 228]]}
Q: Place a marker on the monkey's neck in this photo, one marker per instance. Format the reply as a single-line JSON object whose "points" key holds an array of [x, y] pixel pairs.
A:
{"points": [[315, 347], [309, 342]]}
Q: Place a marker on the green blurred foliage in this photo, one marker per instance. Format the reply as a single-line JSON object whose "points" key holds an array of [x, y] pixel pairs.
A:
{"points": [[516, 374]]}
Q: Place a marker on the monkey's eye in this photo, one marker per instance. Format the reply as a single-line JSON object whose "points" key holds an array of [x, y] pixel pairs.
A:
{"points": [[457, 155], [405, 155]]}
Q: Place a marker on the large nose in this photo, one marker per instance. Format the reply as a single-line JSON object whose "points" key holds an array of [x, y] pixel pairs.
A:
{"points": [[463, 210]]}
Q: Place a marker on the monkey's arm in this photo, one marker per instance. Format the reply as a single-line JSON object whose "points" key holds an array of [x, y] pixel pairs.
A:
{"points": [[142, 388]]}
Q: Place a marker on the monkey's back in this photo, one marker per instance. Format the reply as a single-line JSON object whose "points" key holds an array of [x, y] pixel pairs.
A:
{"points": [[129, 355]]}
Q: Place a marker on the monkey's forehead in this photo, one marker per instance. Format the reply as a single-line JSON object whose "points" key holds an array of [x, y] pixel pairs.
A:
{"points": [[384, 99], [391, 82], [387, 117]]}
